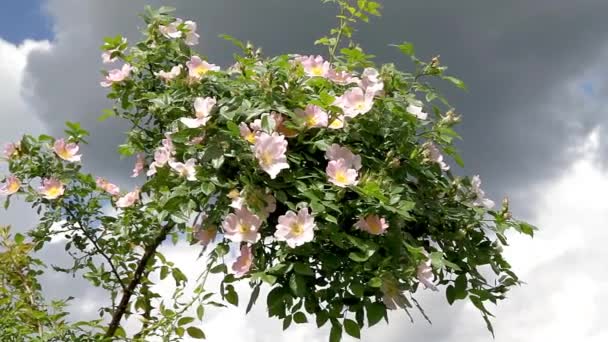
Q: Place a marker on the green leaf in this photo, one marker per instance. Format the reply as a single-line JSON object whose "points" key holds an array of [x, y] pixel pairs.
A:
{"points": [[253, 298], [321, 318], [406, 48], [185, 320], [361, 256], [375, 313], [335, 334], [303, 269], [352, 328], [200, 312], [195, 332], [297, 284], [375, 282], [107, 113], [300, 317], [19, 238], [458, 83]]}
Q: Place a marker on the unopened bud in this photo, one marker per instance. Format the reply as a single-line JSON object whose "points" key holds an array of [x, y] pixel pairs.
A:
{"points": [[435, 61]]}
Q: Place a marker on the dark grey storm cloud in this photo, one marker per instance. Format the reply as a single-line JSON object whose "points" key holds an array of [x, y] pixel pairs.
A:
{"points": [[513, 55]]}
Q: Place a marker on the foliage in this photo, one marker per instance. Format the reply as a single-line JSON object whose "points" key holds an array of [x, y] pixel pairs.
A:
{"points": [[327, 180]]}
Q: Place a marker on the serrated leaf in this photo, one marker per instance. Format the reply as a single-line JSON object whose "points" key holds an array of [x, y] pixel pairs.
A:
{"points": [[195, 332], [352, 328]]}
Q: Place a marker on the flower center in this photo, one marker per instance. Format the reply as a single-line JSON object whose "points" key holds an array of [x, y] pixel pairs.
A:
{"points": [[244, 228], [53, 191], [201, 70], [336, 123], [341, 177], [374, 227], [250, 137], [297, 229], [317, 70], [267, 158], [13, 186], [311, 121]]}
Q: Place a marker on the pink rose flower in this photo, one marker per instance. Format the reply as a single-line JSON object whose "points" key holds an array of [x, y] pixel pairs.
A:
{"points": [[247, 133], [185, 170], [480, 199], [11, 185], [128, 200], [242, 226], [117, 75], [341, 77], [337, 123], [10, 150], [295, 229], [355, 102], [204, 236], [191, 36], [314, 116], [65, 151], [435, 156], [243, 263], [372, 224], [51, 188], [140, 163], [424, 274], [314, 66], [110, 188], [170, 75], [340, 174], [416, 111], [202, 108], [371, 82], [197, 68], [335, 152], [270, 153]]}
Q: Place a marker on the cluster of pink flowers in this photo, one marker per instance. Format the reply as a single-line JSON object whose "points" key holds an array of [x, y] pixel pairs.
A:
{"points": [[11, 185], [202, 112], [176, 30], [343, 166], [117, 75], [66, 151]]}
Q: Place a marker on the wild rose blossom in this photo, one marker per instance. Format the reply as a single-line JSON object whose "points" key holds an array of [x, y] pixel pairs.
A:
{"points": [[370, 81], [416, 111], [172, 31], [117, 75], [270, 153], [129, 199], [480, 199], [185, 170], [171, 74], [202, 108], [237, 199], [335, 152], [314, 116], [108, 187], [51, 188], [337, 122], [295, 229], [140, 163], [340, 174], [242, 226], [204, 236], [355, 102], [433, 154], [424, 274], [243, 262], [197, 68], [393, 297], [247, 133], [314, 66], [372, 224], [106, 57], [11, 185], [10, 150], [162, 155], [341, 77], [66, 151]]}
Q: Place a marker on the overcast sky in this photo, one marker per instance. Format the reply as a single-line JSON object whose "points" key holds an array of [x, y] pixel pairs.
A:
{"points": [[534, 128]]}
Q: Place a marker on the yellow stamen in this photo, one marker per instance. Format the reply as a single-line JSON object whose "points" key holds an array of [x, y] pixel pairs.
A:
{"points": [[297, 229]]}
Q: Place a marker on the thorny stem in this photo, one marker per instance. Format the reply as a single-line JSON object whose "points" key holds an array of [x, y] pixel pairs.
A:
{"points": [[137, 277]]}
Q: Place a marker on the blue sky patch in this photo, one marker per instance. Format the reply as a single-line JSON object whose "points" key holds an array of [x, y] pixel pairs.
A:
{"points": [[23, 19]]}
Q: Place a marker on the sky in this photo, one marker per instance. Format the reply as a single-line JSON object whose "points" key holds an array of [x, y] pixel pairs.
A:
{"points": [[534, 127]]}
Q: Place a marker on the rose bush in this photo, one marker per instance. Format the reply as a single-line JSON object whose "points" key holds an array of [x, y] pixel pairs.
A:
{"points": [[326, 176]]}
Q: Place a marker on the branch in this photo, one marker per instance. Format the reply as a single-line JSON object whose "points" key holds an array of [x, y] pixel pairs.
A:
{"points": [[99, 250], [137, 276]]}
